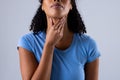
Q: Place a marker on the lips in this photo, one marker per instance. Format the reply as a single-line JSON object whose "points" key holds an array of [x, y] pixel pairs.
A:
{"points": [[57, 5]]}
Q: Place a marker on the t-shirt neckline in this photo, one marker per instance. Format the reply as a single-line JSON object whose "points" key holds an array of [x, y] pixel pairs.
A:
{"points": [[66, 50], [69, 48]]}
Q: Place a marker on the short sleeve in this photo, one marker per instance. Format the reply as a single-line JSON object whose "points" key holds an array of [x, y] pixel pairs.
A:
{"points": [[93, 52], [25, 43]]}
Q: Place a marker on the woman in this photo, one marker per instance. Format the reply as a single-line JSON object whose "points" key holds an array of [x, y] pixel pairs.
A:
{"points": [[58, 49]]}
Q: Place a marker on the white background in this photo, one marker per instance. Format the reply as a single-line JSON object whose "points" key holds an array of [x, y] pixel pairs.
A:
{"points": [[101, 17]]}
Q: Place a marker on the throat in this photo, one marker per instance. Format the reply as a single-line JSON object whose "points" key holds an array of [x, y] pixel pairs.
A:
{"points": [[65, 43]]}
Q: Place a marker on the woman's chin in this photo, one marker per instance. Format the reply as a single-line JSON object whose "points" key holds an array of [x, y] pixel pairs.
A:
{"points": [[57, 16]]}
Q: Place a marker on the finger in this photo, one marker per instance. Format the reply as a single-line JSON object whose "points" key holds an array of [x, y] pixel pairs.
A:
{"points": [[58, 25], [61, 31], [50, 21], [61, 26], [60, 22]]}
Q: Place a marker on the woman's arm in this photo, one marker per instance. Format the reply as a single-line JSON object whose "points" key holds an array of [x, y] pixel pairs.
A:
{"points": [[30, 69], [91, 70], [29, 64]]}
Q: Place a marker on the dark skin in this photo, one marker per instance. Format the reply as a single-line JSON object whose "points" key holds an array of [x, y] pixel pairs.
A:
{"points": [[57, 27]]}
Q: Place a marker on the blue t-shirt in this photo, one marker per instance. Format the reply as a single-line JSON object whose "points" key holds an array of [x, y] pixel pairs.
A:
{"points": [[67, 64]]}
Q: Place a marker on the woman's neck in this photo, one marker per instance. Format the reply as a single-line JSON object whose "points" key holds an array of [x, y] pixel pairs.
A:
{"points": [[66, 41], [67, 36]]}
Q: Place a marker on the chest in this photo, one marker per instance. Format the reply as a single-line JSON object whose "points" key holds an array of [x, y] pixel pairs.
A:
{"points": [[67, 67]]}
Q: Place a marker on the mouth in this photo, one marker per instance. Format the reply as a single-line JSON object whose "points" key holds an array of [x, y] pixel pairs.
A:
{"points": [[57, 5]]}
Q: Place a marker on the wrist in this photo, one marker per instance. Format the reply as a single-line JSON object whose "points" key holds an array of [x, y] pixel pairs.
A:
{"points": [[48, 45]]}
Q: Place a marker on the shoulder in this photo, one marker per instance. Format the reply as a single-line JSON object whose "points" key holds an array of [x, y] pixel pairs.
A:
{"points": [[85, 39], [31, 35], [89, 46], [87, 42], [27, 40], [27, 36]]}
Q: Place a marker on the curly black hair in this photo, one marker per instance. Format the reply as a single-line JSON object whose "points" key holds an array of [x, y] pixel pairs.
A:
{"points": [[74, 20]]}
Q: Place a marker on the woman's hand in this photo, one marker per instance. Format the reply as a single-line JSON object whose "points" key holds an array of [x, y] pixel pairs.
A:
{"points": [[55, 31]]}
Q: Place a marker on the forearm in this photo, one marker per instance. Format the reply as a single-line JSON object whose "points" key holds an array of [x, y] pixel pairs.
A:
{"points": [[43, 72]]}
